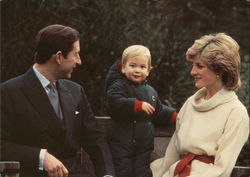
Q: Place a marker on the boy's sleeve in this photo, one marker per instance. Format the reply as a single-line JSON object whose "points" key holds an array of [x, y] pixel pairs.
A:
{"points": [[138, 106], [164, 115], [118, 99]]}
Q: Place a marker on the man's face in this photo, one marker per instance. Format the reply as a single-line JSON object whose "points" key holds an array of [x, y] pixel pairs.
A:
{"points": [[70, 62]]}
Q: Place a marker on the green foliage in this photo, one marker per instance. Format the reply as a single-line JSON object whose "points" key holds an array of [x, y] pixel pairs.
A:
{"points": [[107, 27]]}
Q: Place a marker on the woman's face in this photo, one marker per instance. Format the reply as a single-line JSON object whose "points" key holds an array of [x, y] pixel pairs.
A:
{"points": [[205, 77]]}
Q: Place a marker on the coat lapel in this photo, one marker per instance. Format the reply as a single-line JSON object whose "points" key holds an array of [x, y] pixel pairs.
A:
{"points": [[67, 105], [38, 98]]}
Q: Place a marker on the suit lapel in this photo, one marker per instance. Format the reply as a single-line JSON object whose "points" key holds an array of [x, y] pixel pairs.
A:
{"points": [[66, 102], [38, 97]]}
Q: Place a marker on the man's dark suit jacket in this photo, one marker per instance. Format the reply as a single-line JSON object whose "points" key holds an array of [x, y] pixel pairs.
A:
{"points": [[29, 123]]}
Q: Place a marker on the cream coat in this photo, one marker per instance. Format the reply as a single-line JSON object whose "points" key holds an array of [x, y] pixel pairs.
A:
{"points": [[216, 127]]}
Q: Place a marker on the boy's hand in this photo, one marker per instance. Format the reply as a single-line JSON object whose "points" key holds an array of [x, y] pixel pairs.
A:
{"points": [[148, 108]]}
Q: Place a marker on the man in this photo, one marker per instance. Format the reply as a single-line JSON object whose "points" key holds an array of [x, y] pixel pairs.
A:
{"points": [[45, 119]]}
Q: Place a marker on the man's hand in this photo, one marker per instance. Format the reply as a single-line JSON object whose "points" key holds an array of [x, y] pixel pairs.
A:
{"points": [[54, 167], [148, 108]]}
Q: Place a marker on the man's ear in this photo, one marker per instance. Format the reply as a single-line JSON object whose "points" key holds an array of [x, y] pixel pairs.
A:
{"points": [[58, 57]]}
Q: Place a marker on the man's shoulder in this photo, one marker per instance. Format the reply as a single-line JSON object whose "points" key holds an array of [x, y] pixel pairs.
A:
{"points": [[12, 82], [70, 84]]}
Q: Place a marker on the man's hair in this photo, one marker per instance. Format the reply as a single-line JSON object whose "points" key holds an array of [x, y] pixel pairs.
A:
{"points": [[221, 53], [135, 50], [52, 39]]}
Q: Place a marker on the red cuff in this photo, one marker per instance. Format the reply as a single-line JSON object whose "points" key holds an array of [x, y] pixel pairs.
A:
{"points": [[173, 117], [138, 106]]}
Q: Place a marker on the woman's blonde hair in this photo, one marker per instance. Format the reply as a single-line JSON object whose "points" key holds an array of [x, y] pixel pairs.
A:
{"points": [[135, 50], [221, 53]]}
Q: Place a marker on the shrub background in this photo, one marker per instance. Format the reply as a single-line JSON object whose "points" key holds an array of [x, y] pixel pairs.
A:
{"points": [[107, 27]]}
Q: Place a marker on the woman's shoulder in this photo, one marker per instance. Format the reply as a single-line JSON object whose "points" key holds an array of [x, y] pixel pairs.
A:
{"points": [[238, 106]]}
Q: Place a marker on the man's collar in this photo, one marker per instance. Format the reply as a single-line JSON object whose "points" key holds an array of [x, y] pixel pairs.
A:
{"points": [[44, 81]]}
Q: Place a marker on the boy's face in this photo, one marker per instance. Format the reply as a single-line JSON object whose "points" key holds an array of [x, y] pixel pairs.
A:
{"points": [[136, 68]]}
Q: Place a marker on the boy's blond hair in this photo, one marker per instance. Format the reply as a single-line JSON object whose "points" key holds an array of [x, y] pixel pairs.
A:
{"points": [[135, 50]]}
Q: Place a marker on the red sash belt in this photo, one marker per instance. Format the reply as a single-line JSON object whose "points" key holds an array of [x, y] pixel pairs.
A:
{"points": [[183, 168]]}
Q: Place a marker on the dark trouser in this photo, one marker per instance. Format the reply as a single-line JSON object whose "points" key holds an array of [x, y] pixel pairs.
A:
{"points": [[131, 149]]}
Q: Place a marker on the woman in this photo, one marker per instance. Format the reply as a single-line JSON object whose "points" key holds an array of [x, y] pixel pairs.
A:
{"points": [[212, 125]]}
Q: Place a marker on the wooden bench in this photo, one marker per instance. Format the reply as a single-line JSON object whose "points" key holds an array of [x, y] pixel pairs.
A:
{"points": [[161, 140], [240, 171], [9, 169]]}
